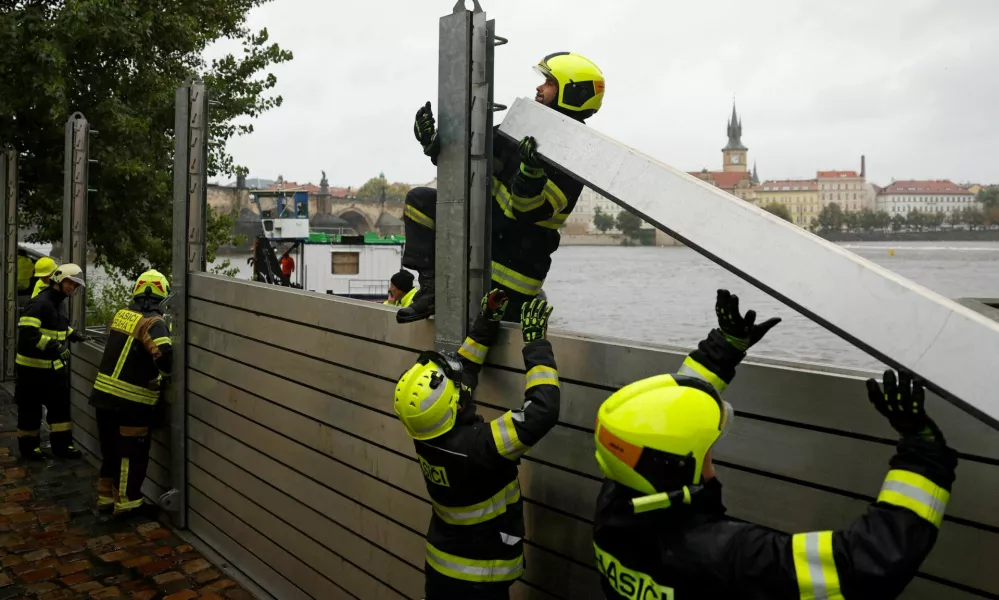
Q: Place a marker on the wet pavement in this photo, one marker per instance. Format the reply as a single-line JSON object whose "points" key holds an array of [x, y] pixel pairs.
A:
{"points": [[54, 546]]}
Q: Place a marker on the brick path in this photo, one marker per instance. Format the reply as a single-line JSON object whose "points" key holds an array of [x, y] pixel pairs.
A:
{"points": [[54, 546]]}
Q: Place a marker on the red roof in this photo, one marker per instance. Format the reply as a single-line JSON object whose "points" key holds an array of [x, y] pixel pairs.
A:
{"points": [[792, 185], [942, 186], [836, 174], [726, 180]]}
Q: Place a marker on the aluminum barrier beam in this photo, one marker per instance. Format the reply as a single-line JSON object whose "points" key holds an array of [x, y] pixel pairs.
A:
{"points": [[74, 217], [895, 320], [8, 277]]}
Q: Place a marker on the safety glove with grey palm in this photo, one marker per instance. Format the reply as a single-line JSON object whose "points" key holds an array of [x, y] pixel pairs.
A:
{"points": [[426, 131], [740, 331], [494, 304], [903, 403], [534, 320], [528, 150]]}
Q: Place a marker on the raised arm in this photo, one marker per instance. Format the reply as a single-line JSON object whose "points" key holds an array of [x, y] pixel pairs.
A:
{"points": [[482, 336]]}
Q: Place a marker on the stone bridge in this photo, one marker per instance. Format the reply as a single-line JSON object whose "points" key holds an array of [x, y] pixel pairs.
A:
{"points": [[363, 216]]}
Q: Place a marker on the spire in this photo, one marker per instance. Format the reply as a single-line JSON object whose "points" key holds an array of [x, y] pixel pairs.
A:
{"points": [[756, 177], [735, 131]]}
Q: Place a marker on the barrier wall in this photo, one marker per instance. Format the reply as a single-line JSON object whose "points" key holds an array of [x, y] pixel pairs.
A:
{"points": [[301, 476], [86, 359]]}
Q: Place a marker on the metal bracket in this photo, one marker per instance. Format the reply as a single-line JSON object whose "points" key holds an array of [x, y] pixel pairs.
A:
{"points": [[460, 7], [497, 107], [500, 40]]}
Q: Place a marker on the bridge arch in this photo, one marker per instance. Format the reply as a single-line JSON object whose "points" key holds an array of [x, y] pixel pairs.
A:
{"points": [[357, 219]]}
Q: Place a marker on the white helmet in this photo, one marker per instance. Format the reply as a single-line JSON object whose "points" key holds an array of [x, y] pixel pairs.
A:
{"points": [[71, 272]]}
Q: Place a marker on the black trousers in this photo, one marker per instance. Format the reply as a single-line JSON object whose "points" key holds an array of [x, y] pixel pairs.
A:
{"points": [[442, 587], [420, 220], [34, 389], [125, 442]]}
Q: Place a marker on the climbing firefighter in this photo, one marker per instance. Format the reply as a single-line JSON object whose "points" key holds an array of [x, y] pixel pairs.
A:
{"points": [[401, 290], [43, 338], [474, 545], [136, 363], [44, 269], [531, 199], [660, 529]]}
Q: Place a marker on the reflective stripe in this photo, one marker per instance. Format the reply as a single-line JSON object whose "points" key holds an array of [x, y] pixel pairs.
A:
{"points": [[542, 375], [29, 322], [434, 396], [27, 433], [528, 204], [508, 444], [515, 281], [38, 363], [418, 217], [483, 511], [692, 368], [430, 429], [54, 333], [467, 569], [105, 500], [473, 351], [915, 492], [123, 482], [555, 222], [126, 391], [43, 342], [163, 341], [509, 540], [122, 358], [532, 172], [555, 197], [56, 427], [119, 506], [815, 566]]}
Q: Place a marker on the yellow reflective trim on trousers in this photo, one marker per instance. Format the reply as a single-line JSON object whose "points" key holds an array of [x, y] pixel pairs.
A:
{"points": [[473, 351], [916, 493], [815, 566], [418, 217], [43, 342], [515, 281], [56, 427], [467, 569], [542, 375], [692, 368], [120, 506], [505, 436], [123, 481], [127, 391], [55, 334], [163, 341], [38, 363], [27, 433], [121, 358], [29, 322], [482, 511]]}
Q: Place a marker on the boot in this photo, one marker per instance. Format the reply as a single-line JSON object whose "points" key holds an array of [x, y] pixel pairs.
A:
{"points": [[28, 446], [65, 451], [422, 306]]}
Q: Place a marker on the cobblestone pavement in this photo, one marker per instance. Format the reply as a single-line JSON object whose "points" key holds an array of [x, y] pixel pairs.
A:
{"points": [[54, 546]]}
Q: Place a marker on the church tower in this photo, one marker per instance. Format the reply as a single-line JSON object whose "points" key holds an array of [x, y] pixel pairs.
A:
{"points": [[734, 152]]}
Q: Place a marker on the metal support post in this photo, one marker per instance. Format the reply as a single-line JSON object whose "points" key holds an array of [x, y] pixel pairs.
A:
{"points": [[454, 104], [8, 278], [189, 214], [480, 162], [74, 216]]}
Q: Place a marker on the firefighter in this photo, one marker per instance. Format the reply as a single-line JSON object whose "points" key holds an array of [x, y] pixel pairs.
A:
{"points": [[660, 529], [136, 363], [25, 271], [44, 269], [474, 545], [401, 290], [43, 337], [531, 199]]}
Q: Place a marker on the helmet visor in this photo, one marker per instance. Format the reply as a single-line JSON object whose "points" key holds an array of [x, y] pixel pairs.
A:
{"points": [[451, 366], [543, 70]]}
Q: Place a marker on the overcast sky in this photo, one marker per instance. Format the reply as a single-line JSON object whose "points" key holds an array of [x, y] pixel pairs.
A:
{"points": [[910, 83]]}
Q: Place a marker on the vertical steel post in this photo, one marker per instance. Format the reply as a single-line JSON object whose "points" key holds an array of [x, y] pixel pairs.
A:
{"points": [[8, 277], [189, 214], [480, 164], [74, 222]]}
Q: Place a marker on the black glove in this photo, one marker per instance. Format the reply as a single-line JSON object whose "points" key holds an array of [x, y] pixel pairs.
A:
{"points": [[528, 150], [426, 132], [494, 305], [77, 337], [64, 353], [741, 332], [902, 404], [534, 320]]}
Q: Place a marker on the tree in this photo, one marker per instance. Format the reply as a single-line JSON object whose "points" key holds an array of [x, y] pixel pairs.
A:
{"points": [[867, 219], [851, 221], [956, 218], [119, 63], [935, 220], [882, 220], [628, 223], [831, 217], [897, 222], [915, 220], [778, 210], [378, 188], [989, 197], [602, 221], [973, 216]]}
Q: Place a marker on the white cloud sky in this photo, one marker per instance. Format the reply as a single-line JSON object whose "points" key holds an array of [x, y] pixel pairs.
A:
{"points": [[910, 83]]}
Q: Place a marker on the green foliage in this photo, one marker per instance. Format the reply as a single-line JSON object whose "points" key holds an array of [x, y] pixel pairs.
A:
{"points": [[779, 210], [378, 188], [628, 224], [218, 233], [119, 63], [989, 197], [604, 222], [897, 223], [831, 217]]}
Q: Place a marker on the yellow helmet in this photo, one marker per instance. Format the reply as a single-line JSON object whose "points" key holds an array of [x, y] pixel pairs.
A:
{"points": [[652, 435], [152, 283], [426, 397], [71, 272], [580, 82], [44, 267]]}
